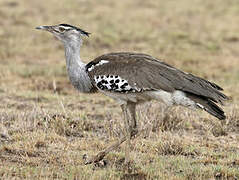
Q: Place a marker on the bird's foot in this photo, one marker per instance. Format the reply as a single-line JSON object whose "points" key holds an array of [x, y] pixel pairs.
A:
{"points": [[99, 157], [95, 162], [134, 132], [95, 159]]}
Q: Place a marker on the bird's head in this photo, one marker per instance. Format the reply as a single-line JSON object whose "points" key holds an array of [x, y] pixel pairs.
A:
{"points": [[65, 32]]}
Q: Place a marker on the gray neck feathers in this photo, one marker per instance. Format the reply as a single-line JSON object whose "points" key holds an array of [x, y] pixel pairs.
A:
{"points": [[75, 67]]}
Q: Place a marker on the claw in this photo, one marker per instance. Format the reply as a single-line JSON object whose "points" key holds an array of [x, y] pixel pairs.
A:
{"points": [[94, 159]]}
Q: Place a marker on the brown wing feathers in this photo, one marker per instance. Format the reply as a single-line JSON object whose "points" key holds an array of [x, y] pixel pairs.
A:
{"points": [[147, 73]]}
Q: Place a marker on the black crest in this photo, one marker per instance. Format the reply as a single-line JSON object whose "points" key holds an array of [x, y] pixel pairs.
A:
{"points": [[78, 29]]}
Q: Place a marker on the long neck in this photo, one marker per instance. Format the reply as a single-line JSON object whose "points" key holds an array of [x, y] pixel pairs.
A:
{"points": [[76, 68]]}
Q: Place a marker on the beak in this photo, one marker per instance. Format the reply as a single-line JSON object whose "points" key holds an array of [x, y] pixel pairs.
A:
{"points": [[46, 28]]}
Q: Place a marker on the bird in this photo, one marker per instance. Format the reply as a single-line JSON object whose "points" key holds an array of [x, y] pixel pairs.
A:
{"points": [[132, 78]]}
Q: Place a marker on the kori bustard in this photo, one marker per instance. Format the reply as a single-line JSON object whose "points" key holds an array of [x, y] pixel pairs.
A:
{"points": [[132, 78]]}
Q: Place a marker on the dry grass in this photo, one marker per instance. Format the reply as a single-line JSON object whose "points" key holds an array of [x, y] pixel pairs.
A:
{"points": [[46, 126]]}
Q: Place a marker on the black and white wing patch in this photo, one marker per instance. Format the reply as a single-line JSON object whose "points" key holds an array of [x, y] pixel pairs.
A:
{"points": [[114, 83], [108, 81]]}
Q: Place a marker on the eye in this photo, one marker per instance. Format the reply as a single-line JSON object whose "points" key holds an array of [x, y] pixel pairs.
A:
{"points": [[61, 29]]}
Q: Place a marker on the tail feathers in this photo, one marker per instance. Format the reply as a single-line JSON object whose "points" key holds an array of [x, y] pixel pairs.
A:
{"points": [[213, 109], [208, 105]]}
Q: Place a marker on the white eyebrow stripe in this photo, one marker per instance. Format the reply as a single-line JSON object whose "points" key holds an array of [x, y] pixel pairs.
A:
{"points": [[65, 27]]}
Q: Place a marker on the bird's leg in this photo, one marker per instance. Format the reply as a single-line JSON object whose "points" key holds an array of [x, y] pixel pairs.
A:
{"points": [[132, 107], [133, 132], [128, 129]]}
